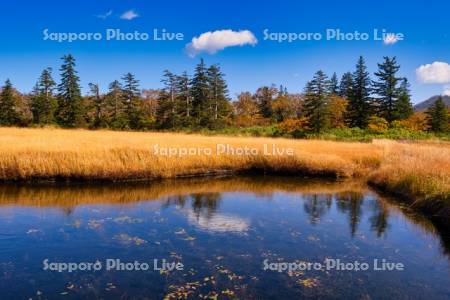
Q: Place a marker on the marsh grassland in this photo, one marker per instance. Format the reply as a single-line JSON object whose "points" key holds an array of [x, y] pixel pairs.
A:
{"points": [[417, 171]]}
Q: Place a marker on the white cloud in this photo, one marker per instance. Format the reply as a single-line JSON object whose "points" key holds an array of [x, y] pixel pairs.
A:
{"points": [[446, 91], [212, 42], [218, 222], [437, 72], [390, 39], [105, 15], [129, 15]]}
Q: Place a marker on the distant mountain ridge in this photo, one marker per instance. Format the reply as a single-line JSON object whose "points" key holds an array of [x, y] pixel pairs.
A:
{"points": [[427, 103]]}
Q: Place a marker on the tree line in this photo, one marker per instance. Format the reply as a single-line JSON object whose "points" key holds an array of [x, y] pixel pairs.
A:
{"points": [[202, 101], [354, 101]]}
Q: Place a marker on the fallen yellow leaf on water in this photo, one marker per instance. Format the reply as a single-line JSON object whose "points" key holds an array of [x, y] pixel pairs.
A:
{"points": [[309, 283]]}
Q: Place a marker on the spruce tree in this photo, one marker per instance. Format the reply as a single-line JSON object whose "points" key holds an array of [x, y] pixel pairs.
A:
{"points": [[8, 106], [316, 101], [98, 106], [132, 110], [43, 103], [115, 111], [403, 107], [282, 91], [438, 116], [167, 102], [70, 111], [183, 86], [387, 88], [346, 85], [334, 89], [218, 94], [359, 109], [200, 95]]}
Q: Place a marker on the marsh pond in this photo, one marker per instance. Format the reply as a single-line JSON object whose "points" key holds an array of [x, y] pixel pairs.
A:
{"points": [[217, 238]]}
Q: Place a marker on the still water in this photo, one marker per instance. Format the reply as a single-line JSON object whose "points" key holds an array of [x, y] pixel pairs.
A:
{"points": [[222, 238]]}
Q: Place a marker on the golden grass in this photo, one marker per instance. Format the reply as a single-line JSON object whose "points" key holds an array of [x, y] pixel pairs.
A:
{"points": [[419, 171], [49, 153], [416, 170]]}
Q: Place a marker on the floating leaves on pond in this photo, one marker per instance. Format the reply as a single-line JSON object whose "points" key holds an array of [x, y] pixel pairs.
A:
{"points": [[309, 282], [313, 238], [127, 219], [163, 272], [296, 273], [228, 293], [183, 291], [127, 239]]}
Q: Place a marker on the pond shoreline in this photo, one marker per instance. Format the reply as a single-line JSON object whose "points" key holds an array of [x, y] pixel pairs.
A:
{"points": [[433, 208]]}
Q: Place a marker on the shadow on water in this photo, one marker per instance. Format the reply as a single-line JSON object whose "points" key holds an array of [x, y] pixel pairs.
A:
{"points": [[286, 214]]}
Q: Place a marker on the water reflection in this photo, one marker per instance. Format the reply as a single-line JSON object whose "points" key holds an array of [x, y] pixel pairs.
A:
{"points": [[350, 203], [221, 229], [316, 205], [205, 195], [379, 219]]}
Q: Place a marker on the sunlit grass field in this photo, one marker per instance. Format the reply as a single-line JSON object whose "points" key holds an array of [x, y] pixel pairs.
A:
{"points": [[416, 170]]}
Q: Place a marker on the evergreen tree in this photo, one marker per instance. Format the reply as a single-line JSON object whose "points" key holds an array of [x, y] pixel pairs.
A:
{"points": [[282, 91], [115, 112], [346, 85], [200, 95], [183, 86], [132, 110], [359, 109], [218, 94], [403, 107], [98, 104], [43, 103], [438, 116], [70, 109], [387, 88], [167, 103], [8, 106], [334, 89], [316, 101]]}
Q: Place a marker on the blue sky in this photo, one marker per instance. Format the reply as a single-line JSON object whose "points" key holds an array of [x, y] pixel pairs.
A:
{"points": [[24, 52]]}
